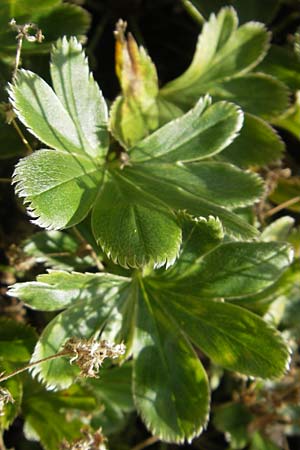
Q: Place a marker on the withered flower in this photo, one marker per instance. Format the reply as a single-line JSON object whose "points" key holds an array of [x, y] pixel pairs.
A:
{"points": [[89, 354], [5, 398], [95, 441]]}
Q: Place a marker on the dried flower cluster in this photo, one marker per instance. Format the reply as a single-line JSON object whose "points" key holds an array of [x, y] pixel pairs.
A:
{"points": [[5, 398], [89, 354], [90, 441], [25, 31]]}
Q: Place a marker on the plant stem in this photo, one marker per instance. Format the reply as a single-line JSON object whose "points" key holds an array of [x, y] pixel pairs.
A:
{"points": [[23, 139], [32, 364], [151, 440], [5, 180], [283, 205], [193, 12], [18, 57], [90, 249], [98, 33]]}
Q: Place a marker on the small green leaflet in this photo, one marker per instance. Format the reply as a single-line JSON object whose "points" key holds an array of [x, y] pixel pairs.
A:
{"points": [[134, 205], [162, 315]]}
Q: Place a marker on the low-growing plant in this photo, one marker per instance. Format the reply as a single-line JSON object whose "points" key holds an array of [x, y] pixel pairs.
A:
{"points": [[163, 266]]}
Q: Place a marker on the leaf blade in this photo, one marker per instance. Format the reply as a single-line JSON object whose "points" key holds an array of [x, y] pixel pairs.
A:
{"points": [[60, 187], [80, 95]]}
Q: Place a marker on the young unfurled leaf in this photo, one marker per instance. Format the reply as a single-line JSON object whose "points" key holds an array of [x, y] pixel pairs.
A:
{"points": [[135, 113], [134, 211], [159, 315]]}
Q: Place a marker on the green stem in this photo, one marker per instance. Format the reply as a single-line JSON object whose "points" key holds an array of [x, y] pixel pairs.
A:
{"points": [[193, 12], [33, 364]]}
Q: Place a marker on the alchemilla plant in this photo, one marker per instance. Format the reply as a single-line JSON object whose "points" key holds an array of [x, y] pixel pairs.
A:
{"points": [[162, 269]]}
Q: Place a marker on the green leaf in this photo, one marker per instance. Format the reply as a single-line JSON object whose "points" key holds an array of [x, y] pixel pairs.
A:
{"points": [[159, 318], [54, 18], [60, 187], [64, 19], [143, 192], [233, 419], [279, 230], [57, 250], [257, 145], [135, 113], [170, 384], [200, 236], [80, 95], [114, 386], [58, 289], [45, 413], [260, 442], [256, 93], [16, 341], [232, 337], [42, 113], [73, 118], [15, 387], [223, 51], [234, 269], [290, 121], [113, 391], [182, 187], [132, 232], [282, 64], [204, 131], [84, 318]]}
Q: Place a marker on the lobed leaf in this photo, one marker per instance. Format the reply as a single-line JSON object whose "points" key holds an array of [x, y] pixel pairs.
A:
{"points": [[223, 51]]}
